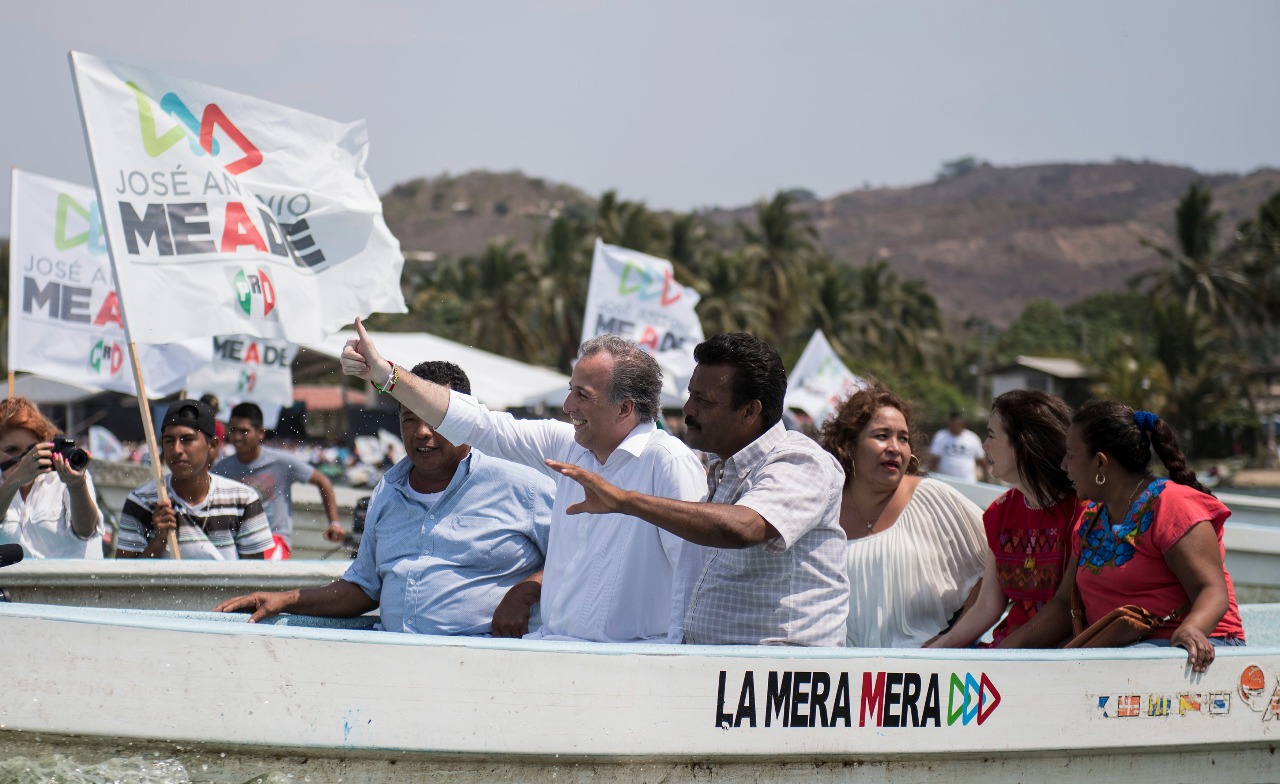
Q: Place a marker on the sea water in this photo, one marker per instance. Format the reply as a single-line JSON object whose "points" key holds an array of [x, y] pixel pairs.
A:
{"points": [[60, 768]]}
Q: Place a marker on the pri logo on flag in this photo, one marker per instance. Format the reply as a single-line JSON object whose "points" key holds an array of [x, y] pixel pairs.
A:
{"points": [[254, 292], [198, 133], [106, 358], [247, 381], [91, 234], [647, 284]]}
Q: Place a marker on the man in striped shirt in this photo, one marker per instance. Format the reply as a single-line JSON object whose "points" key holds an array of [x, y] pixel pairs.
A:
{"points": [[215, 518]]}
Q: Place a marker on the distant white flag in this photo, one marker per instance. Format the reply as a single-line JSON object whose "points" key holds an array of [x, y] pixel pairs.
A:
{"points": [[104, 445], [636, 296], [228, 215], [64, 314], [820, 381], [246, 369]]}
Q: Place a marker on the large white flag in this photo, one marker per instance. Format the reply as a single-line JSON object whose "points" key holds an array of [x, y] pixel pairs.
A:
{"points": [[246, 369], [636, 296], [820, 382], [230, 215], [64, 314]]}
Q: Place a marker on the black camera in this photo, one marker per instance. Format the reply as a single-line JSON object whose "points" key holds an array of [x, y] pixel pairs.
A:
{"points": [[358, 515], [76, 457]]}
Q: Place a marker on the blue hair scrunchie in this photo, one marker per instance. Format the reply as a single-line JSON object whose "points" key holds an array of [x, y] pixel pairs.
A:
{"points": [[1145, 420]]}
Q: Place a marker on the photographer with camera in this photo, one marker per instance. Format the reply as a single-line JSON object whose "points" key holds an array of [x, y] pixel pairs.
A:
{"points": [[45, 487]]}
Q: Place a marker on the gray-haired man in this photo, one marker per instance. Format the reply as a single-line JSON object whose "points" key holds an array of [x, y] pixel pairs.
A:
{"points": [[605, 580]]}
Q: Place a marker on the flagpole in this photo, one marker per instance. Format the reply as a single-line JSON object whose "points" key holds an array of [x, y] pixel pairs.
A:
{"points": [[148, 427], [144, 407]]}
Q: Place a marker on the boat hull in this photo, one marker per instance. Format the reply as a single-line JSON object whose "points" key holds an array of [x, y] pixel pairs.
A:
{"points": [[210, 685]]}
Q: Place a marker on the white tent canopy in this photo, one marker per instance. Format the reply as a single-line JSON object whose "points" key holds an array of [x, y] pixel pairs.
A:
{"points": [[496, 381]]}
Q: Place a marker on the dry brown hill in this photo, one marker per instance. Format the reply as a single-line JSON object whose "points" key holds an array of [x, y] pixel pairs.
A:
{"points": [[986, 241]]}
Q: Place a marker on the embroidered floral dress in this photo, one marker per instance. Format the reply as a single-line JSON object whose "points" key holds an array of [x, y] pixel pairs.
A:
{"points": [[1123, 562], [1031, 548]]}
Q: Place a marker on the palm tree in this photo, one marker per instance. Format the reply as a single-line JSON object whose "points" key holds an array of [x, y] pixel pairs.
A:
{"points": [[780, 249], [563, 272], [497, 287], [730, 300]]}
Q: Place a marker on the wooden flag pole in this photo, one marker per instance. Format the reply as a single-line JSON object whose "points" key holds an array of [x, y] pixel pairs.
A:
{"points": [[144, 408]]}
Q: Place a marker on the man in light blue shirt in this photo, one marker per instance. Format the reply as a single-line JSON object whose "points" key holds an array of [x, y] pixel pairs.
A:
{"points": [[449, 533]]}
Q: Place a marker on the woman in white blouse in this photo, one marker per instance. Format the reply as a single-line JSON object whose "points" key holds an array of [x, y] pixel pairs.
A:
{"points": [[916, 546]]}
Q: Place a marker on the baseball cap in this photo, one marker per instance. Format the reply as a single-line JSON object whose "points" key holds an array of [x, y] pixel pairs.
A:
{"points": [[193, 414]]}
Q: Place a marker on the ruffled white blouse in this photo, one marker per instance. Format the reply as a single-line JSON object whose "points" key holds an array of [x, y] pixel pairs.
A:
{"points": [[907, 581]]}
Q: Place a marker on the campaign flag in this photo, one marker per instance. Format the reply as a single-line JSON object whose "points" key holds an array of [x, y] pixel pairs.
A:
{"points": [[230, 215], [636, 296], [246, 369], [64, 312], [820, 382]]}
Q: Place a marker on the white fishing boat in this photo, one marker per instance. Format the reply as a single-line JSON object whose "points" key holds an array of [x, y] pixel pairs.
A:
{"points": [[237, 700]]}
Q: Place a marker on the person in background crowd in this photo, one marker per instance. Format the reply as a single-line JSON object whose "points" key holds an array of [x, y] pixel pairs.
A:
{"points": [[272, 473], [1029, 527], [215, 518], [956, 451], [49, 506], [211, 400], [765, 563], [1143, 540], [915, 545], [450, 533], [606, 579]]}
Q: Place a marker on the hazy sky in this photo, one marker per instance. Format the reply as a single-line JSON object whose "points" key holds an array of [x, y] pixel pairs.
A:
{"points": [[687, 104]]}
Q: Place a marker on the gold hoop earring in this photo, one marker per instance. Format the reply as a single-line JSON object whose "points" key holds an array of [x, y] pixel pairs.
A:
{"points": [[1100, 479], [913, 464]]}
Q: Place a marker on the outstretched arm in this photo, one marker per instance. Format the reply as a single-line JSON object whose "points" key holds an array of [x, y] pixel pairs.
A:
{"points": [[338, 599], [715, 525], [360, 358]]}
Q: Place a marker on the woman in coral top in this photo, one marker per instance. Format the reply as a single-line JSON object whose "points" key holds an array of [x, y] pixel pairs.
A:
{"points": [[1029, 527], [1143, 540]]}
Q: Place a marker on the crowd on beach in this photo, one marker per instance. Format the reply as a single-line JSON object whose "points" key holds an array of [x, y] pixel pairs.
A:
{"points": [[609, 528]]}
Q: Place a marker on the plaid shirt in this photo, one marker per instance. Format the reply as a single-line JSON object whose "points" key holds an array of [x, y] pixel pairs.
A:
{"points": [[790, 590]]}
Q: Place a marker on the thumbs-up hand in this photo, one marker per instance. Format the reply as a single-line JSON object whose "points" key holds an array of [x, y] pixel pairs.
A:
{"points": [[360, 358]]}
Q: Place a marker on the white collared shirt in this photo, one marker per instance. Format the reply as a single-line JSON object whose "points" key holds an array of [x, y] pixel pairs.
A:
{"points": [[607, 578], [41, 522]]}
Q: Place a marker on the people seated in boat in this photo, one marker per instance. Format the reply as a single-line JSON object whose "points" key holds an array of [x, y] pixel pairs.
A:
{"points": [[48, 500], [272, 473], [764, 562], [1143, 540], [450, 532], [1029, 527], [214, 518], [605, 579], [915, 546]]}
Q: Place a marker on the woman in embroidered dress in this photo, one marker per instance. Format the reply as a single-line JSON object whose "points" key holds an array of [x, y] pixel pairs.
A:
{"points": [[916, 548], [1029, 527], [1152, 542], [49, 506]]}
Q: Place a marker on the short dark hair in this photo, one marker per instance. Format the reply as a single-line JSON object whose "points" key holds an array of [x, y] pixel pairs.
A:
{"points": [[249, 411], [758, 371], [635, 377], [446, 374], [1036, 423]]}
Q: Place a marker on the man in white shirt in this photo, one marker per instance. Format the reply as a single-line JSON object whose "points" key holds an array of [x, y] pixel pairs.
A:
{"points": [[604, 580], [765, 563], [956, 451]]}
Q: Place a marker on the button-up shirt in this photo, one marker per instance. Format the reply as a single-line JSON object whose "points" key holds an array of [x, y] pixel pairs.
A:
{"points": [[443, 568], [790, 590], [608, 578], [41, 522]]}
